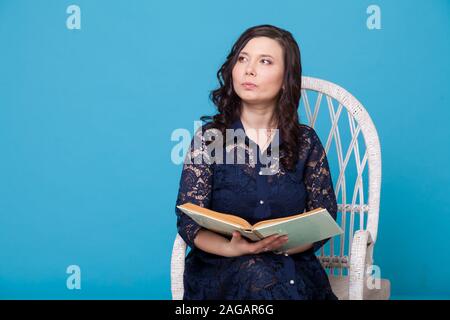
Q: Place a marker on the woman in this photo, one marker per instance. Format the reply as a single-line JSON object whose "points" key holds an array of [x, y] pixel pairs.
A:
{"points": [[260, 86]]}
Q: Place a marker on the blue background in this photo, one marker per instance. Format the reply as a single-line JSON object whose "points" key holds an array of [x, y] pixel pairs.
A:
{"points": [[86, 118]]}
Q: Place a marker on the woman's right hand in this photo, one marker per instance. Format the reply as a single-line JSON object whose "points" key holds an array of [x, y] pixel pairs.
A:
{"points": [[239, 246]]}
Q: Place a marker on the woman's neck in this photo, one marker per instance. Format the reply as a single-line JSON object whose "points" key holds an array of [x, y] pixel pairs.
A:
{"points": [[258, 118]]}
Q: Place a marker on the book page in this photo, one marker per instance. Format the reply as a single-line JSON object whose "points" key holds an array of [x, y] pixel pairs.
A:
{"points": [[211, 222], [277, 220], [303, 230], [224, 217]]}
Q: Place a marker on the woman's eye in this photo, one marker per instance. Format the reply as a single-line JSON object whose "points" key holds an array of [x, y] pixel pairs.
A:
{"points": [[267, 61]]}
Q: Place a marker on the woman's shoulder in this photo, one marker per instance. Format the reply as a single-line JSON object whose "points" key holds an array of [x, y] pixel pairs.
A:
{"points": [[310, 143], [308, 134], [207, 127], [307, 128]]}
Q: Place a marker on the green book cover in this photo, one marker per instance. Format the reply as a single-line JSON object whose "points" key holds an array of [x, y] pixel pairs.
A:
{"points": [[303, 228]]}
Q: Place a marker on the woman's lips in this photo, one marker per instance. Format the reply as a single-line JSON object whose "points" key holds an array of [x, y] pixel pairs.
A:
{"points": [[249, 86]]}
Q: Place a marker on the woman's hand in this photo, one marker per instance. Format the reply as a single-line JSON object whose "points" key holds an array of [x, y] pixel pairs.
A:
{"points": [[239, 246]]}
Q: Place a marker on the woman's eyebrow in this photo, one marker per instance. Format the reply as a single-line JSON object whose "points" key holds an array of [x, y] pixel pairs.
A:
{"points": [[261, 55]]}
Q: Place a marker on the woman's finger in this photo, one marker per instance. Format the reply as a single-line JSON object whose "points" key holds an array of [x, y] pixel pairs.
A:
{"points": [[268, 240], [282, 242], [266, 244], [277, 243]]}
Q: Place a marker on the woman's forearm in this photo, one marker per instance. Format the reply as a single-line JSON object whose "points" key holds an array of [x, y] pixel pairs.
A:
{"points": [[212, 242], [215, 243]]}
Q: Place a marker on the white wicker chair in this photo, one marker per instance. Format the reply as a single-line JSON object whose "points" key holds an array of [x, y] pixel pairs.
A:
{"points": [[354, 279]]}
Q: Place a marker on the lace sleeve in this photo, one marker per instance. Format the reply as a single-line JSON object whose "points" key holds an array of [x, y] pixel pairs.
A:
{"points": [[195, 186], [318, 182]]}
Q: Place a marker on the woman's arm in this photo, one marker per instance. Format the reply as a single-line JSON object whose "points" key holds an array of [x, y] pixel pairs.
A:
{"points": [[318, 182], [195, 186]]}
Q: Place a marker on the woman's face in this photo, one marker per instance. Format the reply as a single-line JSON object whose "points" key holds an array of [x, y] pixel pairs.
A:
{"points": [[260, 62]]}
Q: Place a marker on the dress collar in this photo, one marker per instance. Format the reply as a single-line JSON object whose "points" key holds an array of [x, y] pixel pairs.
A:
{"points": [[274, 147], [237, 124]]}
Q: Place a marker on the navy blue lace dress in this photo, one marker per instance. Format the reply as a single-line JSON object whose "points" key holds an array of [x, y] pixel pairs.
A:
{"points": [[240, 190]]}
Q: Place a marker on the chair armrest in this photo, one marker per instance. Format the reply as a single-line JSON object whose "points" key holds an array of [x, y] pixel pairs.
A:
{"points": [[177, 268], [360, 259]]}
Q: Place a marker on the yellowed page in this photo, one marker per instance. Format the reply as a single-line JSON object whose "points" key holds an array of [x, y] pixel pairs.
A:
{"points": [[218, 215]]}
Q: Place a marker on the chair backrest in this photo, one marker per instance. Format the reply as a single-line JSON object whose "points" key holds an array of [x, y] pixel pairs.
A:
{"points": [[357, 139]]}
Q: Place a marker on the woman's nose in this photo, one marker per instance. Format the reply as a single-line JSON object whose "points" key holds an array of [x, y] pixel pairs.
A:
{"points": [[250, 70]]}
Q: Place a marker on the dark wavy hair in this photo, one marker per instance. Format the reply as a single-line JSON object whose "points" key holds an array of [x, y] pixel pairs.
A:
{"points": [[228, 102]]}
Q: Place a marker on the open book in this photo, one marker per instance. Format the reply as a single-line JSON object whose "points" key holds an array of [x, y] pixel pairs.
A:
{"points": [[303, 228]]}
